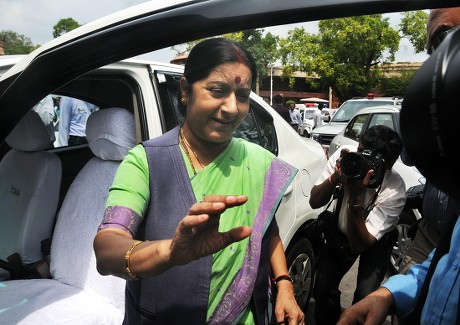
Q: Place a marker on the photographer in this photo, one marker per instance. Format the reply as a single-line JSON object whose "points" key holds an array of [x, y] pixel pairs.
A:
{"points": [[369, 198]]}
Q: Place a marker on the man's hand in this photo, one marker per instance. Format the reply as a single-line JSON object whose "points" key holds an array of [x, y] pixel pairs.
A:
{"points": [[197, 234], [356, 187], [373, 309]]}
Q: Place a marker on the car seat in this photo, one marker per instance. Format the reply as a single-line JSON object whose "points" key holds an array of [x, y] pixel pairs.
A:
{"points": [[76, 292], [29, 191]]}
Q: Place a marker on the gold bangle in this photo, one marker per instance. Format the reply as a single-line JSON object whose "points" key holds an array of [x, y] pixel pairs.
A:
{"points": [[127, 256]]}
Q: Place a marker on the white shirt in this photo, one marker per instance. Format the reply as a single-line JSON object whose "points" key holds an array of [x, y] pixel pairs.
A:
{"points": [[295, 117], [317, 118], [389, 203]]}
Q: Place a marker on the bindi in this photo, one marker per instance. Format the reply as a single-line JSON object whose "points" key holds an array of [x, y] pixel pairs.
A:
{"points": [[237, 79]]}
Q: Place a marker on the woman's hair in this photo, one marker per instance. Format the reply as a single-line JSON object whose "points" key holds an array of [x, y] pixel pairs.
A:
{"points": [[207, 55], [384, 140]]}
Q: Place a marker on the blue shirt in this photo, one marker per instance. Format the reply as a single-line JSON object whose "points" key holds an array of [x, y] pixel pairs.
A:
{"points": [[442, 300], [73, 116]]}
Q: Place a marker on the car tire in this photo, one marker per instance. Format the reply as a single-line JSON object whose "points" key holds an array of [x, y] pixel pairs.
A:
{"points": [[306, 134], [403, 243], [300, 260]]}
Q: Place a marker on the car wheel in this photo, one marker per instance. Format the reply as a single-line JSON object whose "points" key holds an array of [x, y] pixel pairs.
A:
{"points": [[300, 261], [403, 243]]}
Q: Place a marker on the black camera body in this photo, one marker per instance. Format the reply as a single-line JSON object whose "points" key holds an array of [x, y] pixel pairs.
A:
{"points": [[355, 165]]}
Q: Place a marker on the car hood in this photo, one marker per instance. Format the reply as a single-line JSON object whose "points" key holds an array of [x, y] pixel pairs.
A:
{"points": [[330, 128]]}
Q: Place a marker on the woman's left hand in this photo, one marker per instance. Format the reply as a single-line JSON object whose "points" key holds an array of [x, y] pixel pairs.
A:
{"points": [[286, 309], [197, 235]]}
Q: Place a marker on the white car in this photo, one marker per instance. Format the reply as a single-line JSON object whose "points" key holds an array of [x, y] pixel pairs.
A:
{"points": [[307, 114], [325, 133], [93, 63], [149, 91], [389, 116]]}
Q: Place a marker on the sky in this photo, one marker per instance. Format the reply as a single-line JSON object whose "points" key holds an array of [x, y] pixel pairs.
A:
{"points": [[35, 19]]}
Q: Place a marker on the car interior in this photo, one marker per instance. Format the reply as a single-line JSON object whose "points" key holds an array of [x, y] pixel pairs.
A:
{"points": [[111, 133]]}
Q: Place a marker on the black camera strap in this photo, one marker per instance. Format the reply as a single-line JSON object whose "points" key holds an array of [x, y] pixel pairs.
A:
{"points": [[339, 193]]}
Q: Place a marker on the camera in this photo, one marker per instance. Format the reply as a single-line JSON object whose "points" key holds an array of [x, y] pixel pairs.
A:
{"points": [[355, 165]]}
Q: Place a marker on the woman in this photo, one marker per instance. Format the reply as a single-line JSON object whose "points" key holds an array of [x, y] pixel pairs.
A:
{"points": [[190, 214]]}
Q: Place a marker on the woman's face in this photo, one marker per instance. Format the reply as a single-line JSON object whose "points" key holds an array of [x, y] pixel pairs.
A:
{"points": [[218, 103]]}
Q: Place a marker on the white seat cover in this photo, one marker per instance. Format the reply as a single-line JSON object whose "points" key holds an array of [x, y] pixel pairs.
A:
{"points": [[78, 294], [29, 190]]}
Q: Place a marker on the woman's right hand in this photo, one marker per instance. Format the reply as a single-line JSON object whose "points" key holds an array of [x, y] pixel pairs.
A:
{"points": [[197, 234]]}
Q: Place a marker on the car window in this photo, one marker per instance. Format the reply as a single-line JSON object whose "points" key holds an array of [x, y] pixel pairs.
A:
{"points": [[257, 127], [350, 108], [355, 127], [308, 113], [382, 119], [65, 119]]}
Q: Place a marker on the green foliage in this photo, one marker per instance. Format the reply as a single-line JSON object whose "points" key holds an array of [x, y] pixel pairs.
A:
{"points": [[413, 27], [344, 55], [262, 47], [16, 43], [396, 85], [64, 25]]}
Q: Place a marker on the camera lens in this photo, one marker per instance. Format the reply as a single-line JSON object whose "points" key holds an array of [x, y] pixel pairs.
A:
{"points": [[353, 166]]}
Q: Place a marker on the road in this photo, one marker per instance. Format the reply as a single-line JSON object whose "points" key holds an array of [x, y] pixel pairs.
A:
{"points": [[347, 287]]}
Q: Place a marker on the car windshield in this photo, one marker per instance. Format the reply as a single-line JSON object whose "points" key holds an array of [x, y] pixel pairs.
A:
{"points": [[309, 113], [350, 108]]}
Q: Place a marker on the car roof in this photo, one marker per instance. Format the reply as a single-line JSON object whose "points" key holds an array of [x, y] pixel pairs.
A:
{"points": [[396, 100], [128, 33], [380, 109]]}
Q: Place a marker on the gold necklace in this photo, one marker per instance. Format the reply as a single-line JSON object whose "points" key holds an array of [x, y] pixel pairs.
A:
{"points": [[185, 145]]}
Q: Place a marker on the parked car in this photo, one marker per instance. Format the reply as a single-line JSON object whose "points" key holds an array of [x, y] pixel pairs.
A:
{"points": [[149, 91], [93, 63], [389, 116], [325, 133], [328, 114]]}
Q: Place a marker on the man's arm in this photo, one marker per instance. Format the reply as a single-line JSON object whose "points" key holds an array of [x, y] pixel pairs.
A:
{"points": [[322, 193], [358, 236], [64, 121], [371, 310]]}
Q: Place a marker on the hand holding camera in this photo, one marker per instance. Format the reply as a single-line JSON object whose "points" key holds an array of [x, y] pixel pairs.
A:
{"points": [[356, 165]]}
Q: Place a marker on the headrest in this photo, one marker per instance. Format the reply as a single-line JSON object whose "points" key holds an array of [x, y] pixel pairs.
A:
{"points": [[30, 134], [111, 132], [429, 116]]}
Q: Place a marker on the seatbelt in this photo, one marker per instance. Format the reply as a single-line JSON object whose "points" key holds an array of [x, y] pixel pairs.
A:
{"points": [[37, 270]]}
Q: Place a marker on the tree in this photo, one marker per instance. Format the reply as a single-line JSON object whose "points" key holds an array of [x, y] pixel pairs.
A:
{"points": [[344, 55], [413, 27], [16, 43], [396, 85], [63, 26], [264, 48]]}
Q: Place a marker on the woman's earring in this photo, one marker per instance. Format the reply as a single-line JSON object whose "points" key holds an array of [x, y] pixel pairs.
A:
{"points": [[183, 101]]}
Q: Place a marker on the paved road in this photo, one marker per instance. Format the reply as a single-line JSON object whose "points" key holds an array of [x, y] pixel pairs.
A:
{"points": [[347, 287]]}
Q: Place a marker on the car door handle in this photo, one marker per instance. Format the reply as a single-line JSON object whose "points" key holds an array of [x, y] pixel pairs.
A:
{"points": [[288, 191]]}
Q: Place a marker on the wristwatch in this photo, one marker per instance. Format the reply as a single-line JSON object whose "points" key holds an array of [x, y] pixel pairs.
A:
{"points": [[355, 207]]}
